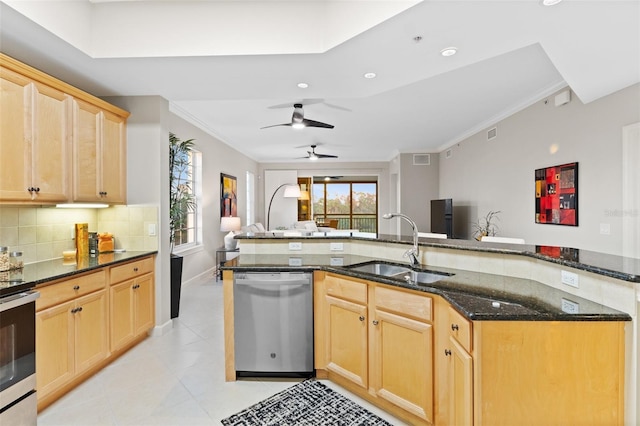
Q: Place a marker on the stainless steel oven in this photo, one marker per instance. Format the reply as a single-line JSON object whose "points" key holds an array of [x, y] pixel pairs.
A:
{"points": [[18, 405]]}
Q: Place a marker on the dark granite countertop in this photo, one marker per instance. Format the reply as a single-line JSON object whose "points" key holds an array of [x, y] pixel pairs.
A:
{"points": [[39, 273], [476, 295], [619, 267]]}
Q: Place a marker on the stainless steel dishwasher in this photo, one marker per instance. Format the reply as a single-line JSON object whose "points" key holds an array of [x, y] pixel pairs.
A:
{"points": [[273, 324]]}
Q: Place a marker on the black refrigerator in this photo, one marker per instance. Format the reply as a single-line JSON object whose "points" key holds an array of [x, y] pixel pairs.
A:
{"points": [[442, 217]]}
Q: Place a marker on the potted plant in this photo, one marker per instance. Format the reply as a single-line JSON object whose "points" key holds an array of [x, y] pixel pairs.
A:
{"points": [[181, 201], [486, 226]]}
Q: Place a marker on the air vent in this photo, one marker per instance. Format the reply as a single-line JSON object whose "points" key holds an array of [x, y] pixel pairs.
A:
{"points": [[492, 133], [421, 159], [448, 154]]}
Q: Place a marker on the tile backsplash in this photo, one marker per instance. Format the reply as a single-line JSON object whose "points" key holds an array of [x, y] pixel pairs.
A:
{"points": [[43, 233]]}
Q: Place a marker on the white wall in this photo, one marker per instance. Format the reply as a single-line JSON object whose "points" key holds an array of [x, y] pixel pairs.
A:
{"points": [[499, 174], [418, 186]]}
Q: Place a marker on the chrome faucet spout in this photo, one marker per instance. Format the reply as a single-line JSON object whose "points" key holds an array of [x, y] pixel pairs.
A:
{"points": [[413, 253]]}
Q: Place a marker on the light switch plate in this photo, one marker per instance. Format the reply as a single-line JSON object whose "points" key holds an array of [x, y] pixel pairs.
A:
{"points": [[295, 261], [295, 245], [152, 229], [336, 261]]}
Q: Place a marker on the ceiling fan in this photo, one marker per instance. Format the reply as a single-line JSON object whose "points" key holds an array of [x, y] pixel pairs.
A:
{"points": [[312, 155], [298, 121]]}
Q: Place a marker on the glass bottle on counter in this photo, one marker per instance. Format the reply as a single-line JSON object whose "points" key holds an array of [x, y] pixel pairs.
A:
{"points": [[4, 258], [15, 260]]}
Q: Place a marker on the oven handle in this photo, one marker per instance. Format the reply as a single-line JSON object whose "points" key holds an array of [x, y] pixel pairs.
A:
{"points": [[19, 299]]}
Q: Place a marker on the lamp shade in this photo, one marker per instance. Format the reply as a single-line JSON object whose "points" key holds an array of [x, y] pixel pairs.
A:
{"points": [[230, 224], [292, 191]]}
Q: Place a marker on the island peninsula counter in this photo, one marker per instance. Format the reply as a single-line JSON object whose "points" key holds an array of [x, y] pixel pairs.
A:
{"points": [[607, 286]]}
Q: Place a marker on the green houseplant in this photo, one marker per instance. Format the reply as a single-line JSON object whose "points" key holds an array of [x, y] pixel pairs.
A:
{"points": [[181, 202], [486, 226]]}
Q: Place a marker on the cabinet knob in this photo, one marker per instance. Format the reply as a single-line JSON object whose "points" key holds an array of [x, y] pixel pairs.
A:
{"points": [[454, 327], [447, 352], [375, 322], [103, 193], [361, 318], [76, 287], [135, 269], [37, 189]]}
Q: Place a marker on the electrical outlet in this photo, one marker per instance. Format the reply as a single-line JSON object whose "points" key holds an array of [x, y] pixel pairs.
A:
{"points": [[152, 229], [336, 246], [295, 245], [570, 307], [336, 261], [605, 229], [295, 261], [569, 278]]}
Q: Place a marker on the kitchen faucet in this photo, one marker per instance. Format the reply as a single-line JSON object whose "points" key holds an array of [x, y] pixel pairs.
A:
{"points": [[414, 252]]}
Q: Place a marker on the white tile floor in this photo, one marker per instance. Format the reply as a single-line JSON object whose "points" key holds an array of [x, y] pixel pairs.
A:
{"points": [[175, 379]]}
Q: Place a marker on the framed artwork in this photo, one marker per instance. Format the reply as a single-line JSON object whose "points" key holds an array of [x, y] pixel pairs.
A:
{"points": [[557, 195], [228, 196]]}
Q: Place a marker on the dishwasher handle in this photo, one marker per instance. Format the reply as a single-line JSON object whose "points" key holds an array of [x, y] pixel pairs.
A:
{"points": [[274, 283]]}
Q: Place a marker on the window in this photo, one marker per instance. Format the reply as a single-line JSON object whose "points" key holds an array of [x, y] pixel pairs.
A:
{"points": [[353, 204], [188, 232]]}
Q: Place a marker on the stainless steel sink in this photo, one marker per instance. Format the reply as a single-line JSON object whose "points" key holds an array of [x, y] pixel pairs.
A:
{"points": [[400, 273], [383, 269], [420, 277]]}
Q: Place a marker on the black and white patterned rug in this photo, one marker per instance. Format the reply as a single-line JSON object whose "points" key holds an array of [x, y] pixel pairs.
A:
{"points": [[307, 403]]}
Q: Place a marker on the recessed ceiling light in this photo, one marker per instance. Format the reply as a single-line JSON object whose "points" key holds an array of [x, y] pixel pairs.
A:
{"points": [[449, 51], [370, 75], [550, 2], [303, 85]]}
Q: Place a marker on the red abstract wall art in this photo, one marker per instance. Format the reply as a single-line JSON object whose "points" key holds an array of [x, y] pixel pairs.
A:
{"points": [[557, 195]]}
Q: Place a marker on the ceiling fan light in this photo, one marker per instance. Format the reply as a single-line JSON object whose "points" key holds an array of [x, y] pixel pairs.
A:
{"points": [[303, 85], [550, 2], [313, 157], [298, 125]]}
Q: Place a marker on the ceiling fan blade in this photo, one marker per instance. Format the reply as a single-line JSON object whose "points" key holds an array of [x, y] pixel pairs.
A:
{"points": [[313, 123], [326, 155], [276, 125]]}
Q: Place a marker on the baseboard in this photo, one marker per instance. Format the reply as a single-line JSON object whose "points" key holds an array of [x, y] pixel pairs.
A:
{"points": [[160, 330], [207, 274]]}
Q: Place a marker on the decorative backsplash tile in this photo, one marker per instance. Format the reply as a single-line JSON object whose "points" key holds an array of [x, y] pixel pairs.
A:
{"points": [[43, 233]]}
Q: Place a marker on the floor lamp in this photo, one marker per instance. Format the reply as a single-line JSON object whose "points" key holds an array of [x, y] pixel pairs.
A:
{"points": [[291, 190]]}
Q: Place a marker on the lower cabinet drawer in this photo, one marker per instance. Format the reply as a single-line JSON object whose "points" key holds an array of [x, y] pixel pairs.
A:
{"points": [[131, 270], [343, 288], [407, 304], [69, 289], [460, 329]]}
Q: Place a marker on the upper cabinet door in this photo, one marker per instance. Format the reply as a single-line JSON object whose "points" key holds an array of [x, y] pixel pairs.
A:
{"points": [[99, 147], [113, 159], [15, 136], [34, 140], [51, 145], [86, 137]]}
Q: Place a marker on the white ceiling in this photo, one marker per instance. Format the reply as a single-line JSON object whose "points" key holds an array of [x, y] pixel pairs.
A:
{"points": [[225, 65]]}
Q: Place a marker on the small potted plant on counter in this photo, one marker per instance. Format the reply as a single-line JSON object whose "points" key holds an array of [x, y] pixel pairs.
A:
{"points": [[486, 227]]}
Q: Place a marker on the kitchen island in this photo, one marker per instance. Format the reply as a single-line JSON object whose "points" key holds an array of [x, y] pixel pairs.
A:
{"points": [[495, 294]]}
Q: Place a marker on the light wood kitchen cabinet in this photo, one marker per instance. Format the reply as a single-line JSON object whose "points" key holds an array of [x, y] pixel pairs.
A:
{"points": [[57, 143], [35, 150], [459, 370], [99, 154], [403, 377], [71, 339], [363, 330], [131, 302]]}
